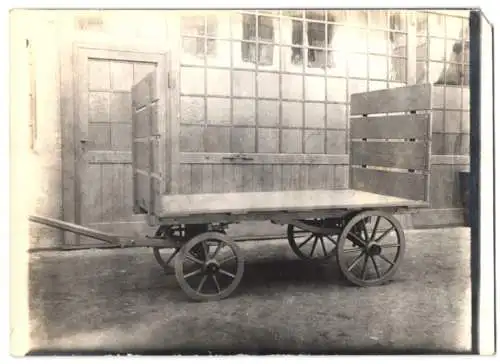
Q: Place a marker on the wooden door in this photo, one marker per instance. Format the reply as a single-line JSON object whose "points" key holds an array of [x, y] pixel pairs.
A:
{"points": [[103, 136]]}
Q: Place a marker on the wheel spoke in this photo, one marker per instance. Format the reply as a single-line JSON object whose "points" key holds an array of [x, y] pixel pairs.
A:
{"points": [[314, 246], [358, 241], [375, 266], [216, 283], [358, 258], [206, 249], [226, 273], [363, 272], [225, 260], [384, 234], [202, 282], [219, 246], [375, 228], [193, 273], [390, 246], [387, 260], [190, 257], [305, 242], [323, 246], [352, 250], [364, 230], [333, 241]]}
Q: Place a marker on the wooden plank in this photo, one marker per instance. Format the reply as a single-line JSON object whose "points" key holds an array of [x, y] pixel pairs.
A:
{"points": [[229, 181], [450, 159], [109, 157], [185, 177], [197, 178], [341, 177], [142, 92], [128, 189], [142, 190], [433, 218], [217, 178], [142, 122], [249, 182], [399, 99], [262, 158], [406, 155], [107, 191], [116, 196], [391, 127], [277, 177], [291, 177], [142, 155], [276, 201], [207, 173], [238, 177], [398, 184], [91, 195], [267, 177]]}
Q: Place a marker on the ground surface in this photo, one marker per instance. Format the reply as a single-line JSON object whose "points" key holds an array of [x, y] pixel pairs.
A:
{"points": [[120, 300]]}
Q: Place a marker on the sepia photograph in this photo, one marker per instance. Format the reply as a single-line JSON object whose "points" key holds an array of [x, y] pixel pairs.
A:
{"points": [[250, 181]]}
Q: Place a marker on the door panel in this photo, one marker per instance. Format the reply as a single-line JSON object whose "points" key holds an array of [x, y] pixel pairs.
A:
{"points": [[103, 133]]}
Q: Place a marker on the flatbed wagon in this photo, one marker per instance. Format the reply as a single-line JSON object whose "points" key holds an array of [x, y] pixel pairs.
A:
{"points": [[389, 172]]}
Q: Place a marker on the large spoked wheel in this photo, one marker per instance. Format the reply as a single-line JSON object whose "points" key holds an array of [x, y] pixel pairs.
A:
{"points": [[312, 246], [213, 275], [370, 248]]}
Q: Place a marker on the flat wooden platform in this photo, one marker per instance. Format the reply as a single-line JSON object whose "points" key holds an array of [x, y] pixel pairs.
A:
{"points": [[280, 201]]}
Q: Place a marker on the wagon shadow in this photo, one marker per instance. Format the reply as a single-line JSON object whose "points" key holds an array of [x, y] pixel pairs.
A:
{"points": [[280, 273]]}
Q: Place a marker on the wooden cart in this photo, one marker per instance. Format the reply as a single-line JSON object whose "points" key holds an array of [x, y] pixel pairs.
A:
{"points": [[389, 171]]}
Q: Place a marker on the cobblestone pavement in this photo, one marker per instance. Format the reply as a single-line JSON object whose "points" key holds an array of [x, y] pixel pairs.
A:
{"points": [[120, 300]]}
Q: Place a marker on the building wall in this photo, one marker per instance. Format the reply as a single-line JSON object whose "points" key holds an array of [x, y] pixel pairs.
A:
{"points": [[51, 34]]}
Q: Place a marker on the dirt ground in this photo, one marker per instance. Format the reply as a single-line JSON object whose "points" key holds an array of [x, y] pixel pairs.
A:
{"points": [[121, 301]]}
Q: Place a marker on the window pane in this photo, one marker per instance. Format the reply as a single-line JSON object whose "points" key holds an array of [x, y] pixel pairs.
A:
{"points": [[336, 88], [314, 141], [244, 83], [291, 141], [268, 85], [315, 88], [268, 140], [243, 112], [378, 42], [268, 112], [291, 87], [292, 114], [315, 115], [243, 140]]}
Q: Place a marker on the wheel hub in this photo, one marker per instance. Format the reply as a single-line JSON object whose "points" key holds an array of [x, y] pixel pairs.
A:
{"points": [[211, 266], [373, 249]]}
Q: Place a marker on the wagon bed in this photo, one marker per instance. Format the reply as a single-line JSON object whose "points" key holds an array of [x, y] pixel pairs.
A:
{"points": [[244, 203], [389, 169]]}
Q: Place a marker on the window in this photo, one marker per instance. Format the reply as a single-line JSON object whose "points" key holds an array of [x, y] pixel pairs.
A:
{"points": [[251, 48], [443, 49], [319, 38], [397, 37], [197, 32]]}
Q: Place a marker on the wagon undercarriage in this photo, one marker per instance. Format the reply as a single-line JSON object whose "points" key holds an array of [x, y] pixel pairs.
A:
{"points": [[367, 244]]}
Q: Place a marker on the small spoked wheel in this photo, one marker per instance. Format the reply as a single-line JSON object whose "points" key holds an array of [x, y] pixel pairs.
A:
{"points": [[164, 260], [370, 248], [213, 275], [311, 246]]}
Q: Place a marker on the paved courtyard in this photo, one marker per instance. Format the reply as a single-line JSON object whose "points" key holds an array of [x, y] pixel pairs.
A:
{"points": [[120, 300]]}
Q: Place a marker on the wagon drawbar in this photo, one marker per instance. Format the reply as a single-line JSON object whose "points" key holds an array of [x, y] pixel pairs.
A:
{"points": [[389, 171]]}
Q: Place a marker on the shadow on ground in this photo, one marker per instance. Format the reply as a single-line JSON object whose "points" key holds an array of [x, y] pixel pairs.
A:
{"points": [[121, 301]]}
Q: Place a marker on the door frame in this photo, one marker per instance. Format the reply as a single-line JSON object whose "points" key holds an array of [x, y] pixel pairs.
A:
{"points": [[71, 133]]}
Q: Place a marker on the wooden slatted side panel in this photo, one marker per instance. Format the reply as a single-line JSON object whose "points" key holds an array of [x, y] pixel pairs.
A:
{"points": [[234, 177], [399, 99], [147, 147], [390, 154], [399, 184]]}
